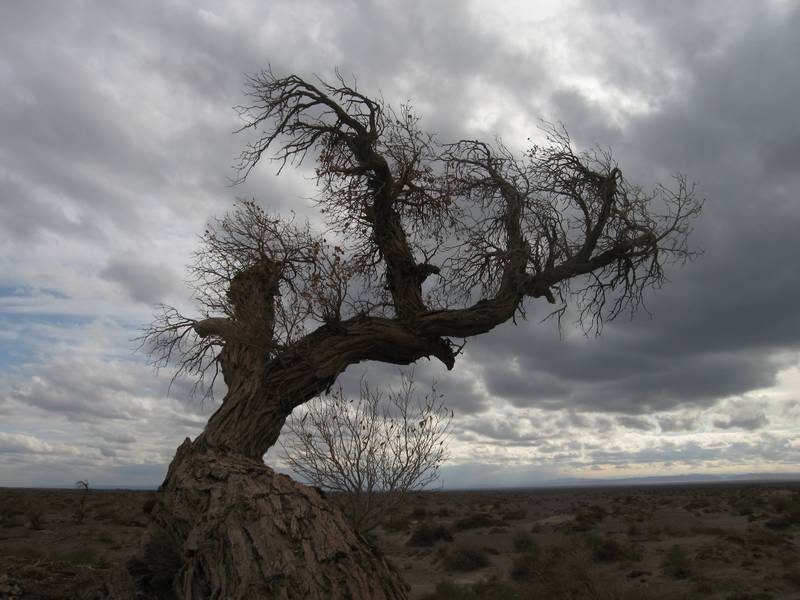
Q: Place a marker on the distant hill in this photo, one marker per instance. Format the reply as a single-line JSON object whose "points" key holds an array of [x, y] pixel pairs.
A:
{"points": [[669, 479]]}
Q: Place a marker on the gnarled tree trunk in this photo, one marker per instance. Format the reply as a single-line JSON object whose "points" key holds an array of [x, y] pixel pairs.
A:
{"points": [[230, 525], [244, 531]]}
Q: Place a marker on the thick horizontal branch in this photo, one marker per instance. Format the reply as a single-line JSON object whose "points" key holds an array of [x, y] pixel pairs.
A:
{"points": [[221, 327]]}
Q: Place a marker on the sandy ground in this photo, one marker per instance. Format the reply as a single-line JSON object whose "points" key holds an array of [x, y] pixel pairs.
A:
{"points": [[722, 541]]}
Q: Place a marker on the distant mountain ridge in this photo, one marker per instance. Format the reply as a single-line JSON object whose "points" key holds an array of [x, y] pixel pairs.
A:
{"points": [[668, 479]]}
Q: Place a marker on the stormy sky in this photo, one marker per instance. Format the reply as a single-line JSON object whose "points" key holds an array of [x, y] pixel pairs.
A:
{"points": [[117, 148]]}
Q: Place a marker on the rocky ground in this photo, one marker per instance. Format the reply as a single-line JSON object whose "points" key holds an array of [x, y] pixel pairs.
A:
{"points": [[722, 541]]}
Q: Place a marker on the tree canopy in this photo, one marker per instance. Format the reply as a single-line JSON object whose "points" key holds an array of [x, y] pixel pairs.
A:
{"points": [[426, 242]]}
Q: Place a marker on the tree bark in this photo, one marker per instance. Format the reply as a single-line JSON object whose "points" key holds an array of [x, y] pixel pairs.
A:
{"points": [[242, 531]]}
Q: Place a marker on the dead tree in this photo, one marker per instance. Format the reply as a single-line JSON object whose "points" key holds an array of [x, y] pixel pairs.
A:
{"points": [[427, 244]]}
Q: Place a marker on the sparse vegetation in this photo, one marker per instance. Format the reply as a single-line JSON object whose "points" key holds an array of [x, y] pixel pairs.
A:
{"points": [[716, 556]]}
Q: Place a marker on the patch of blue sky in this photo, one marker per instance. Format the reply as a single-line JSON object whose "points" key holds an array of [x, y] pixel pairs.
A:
{"points": [[29, 300], [22, 291], [29, 338]]}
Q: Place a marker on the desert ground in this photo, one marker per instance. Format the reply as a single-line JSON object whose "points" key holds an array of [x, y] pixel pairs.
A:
{"points": [[724, 541]]}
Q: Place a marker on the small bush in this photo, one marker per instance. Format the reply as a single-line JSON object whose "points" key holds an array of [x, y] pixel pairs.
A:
{"points": [[477, 521], [465, 559], [524, 566], [154, 571], [396, 524], [781, 522], [419, 512], [676, 563], [148, 506], [516, 513], [607, 549], [523, 541], [792, 575], [586, 517], [36, 518], [427, 534]]}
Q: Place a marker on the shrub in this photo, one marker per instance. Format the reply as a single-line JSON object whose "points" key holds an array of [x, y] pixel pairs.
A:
{"points": [[419, 512], [154, 571], [477, 521], [523, 541], [586, 517], [36, 517], [427, 534], [149, 505], [397, 524], [465, 559], [608, 549], [676, 563], [515, 513], [524, 566], [792, 575]]}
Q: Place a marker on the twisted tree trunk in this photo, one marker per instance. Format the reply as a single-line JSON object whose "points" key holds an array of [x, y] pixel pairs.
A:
{"points": [[227, 524], [244, 531]]}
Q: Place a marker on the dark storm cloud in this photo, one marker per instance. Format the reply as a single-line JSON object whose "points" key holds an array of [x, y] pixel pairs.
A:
{"points": [[721, 324]]}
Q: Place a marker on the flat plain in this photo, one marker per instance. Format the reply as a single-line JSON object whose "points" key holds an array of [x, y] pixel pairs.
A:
{"points": [[726, 541]]}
